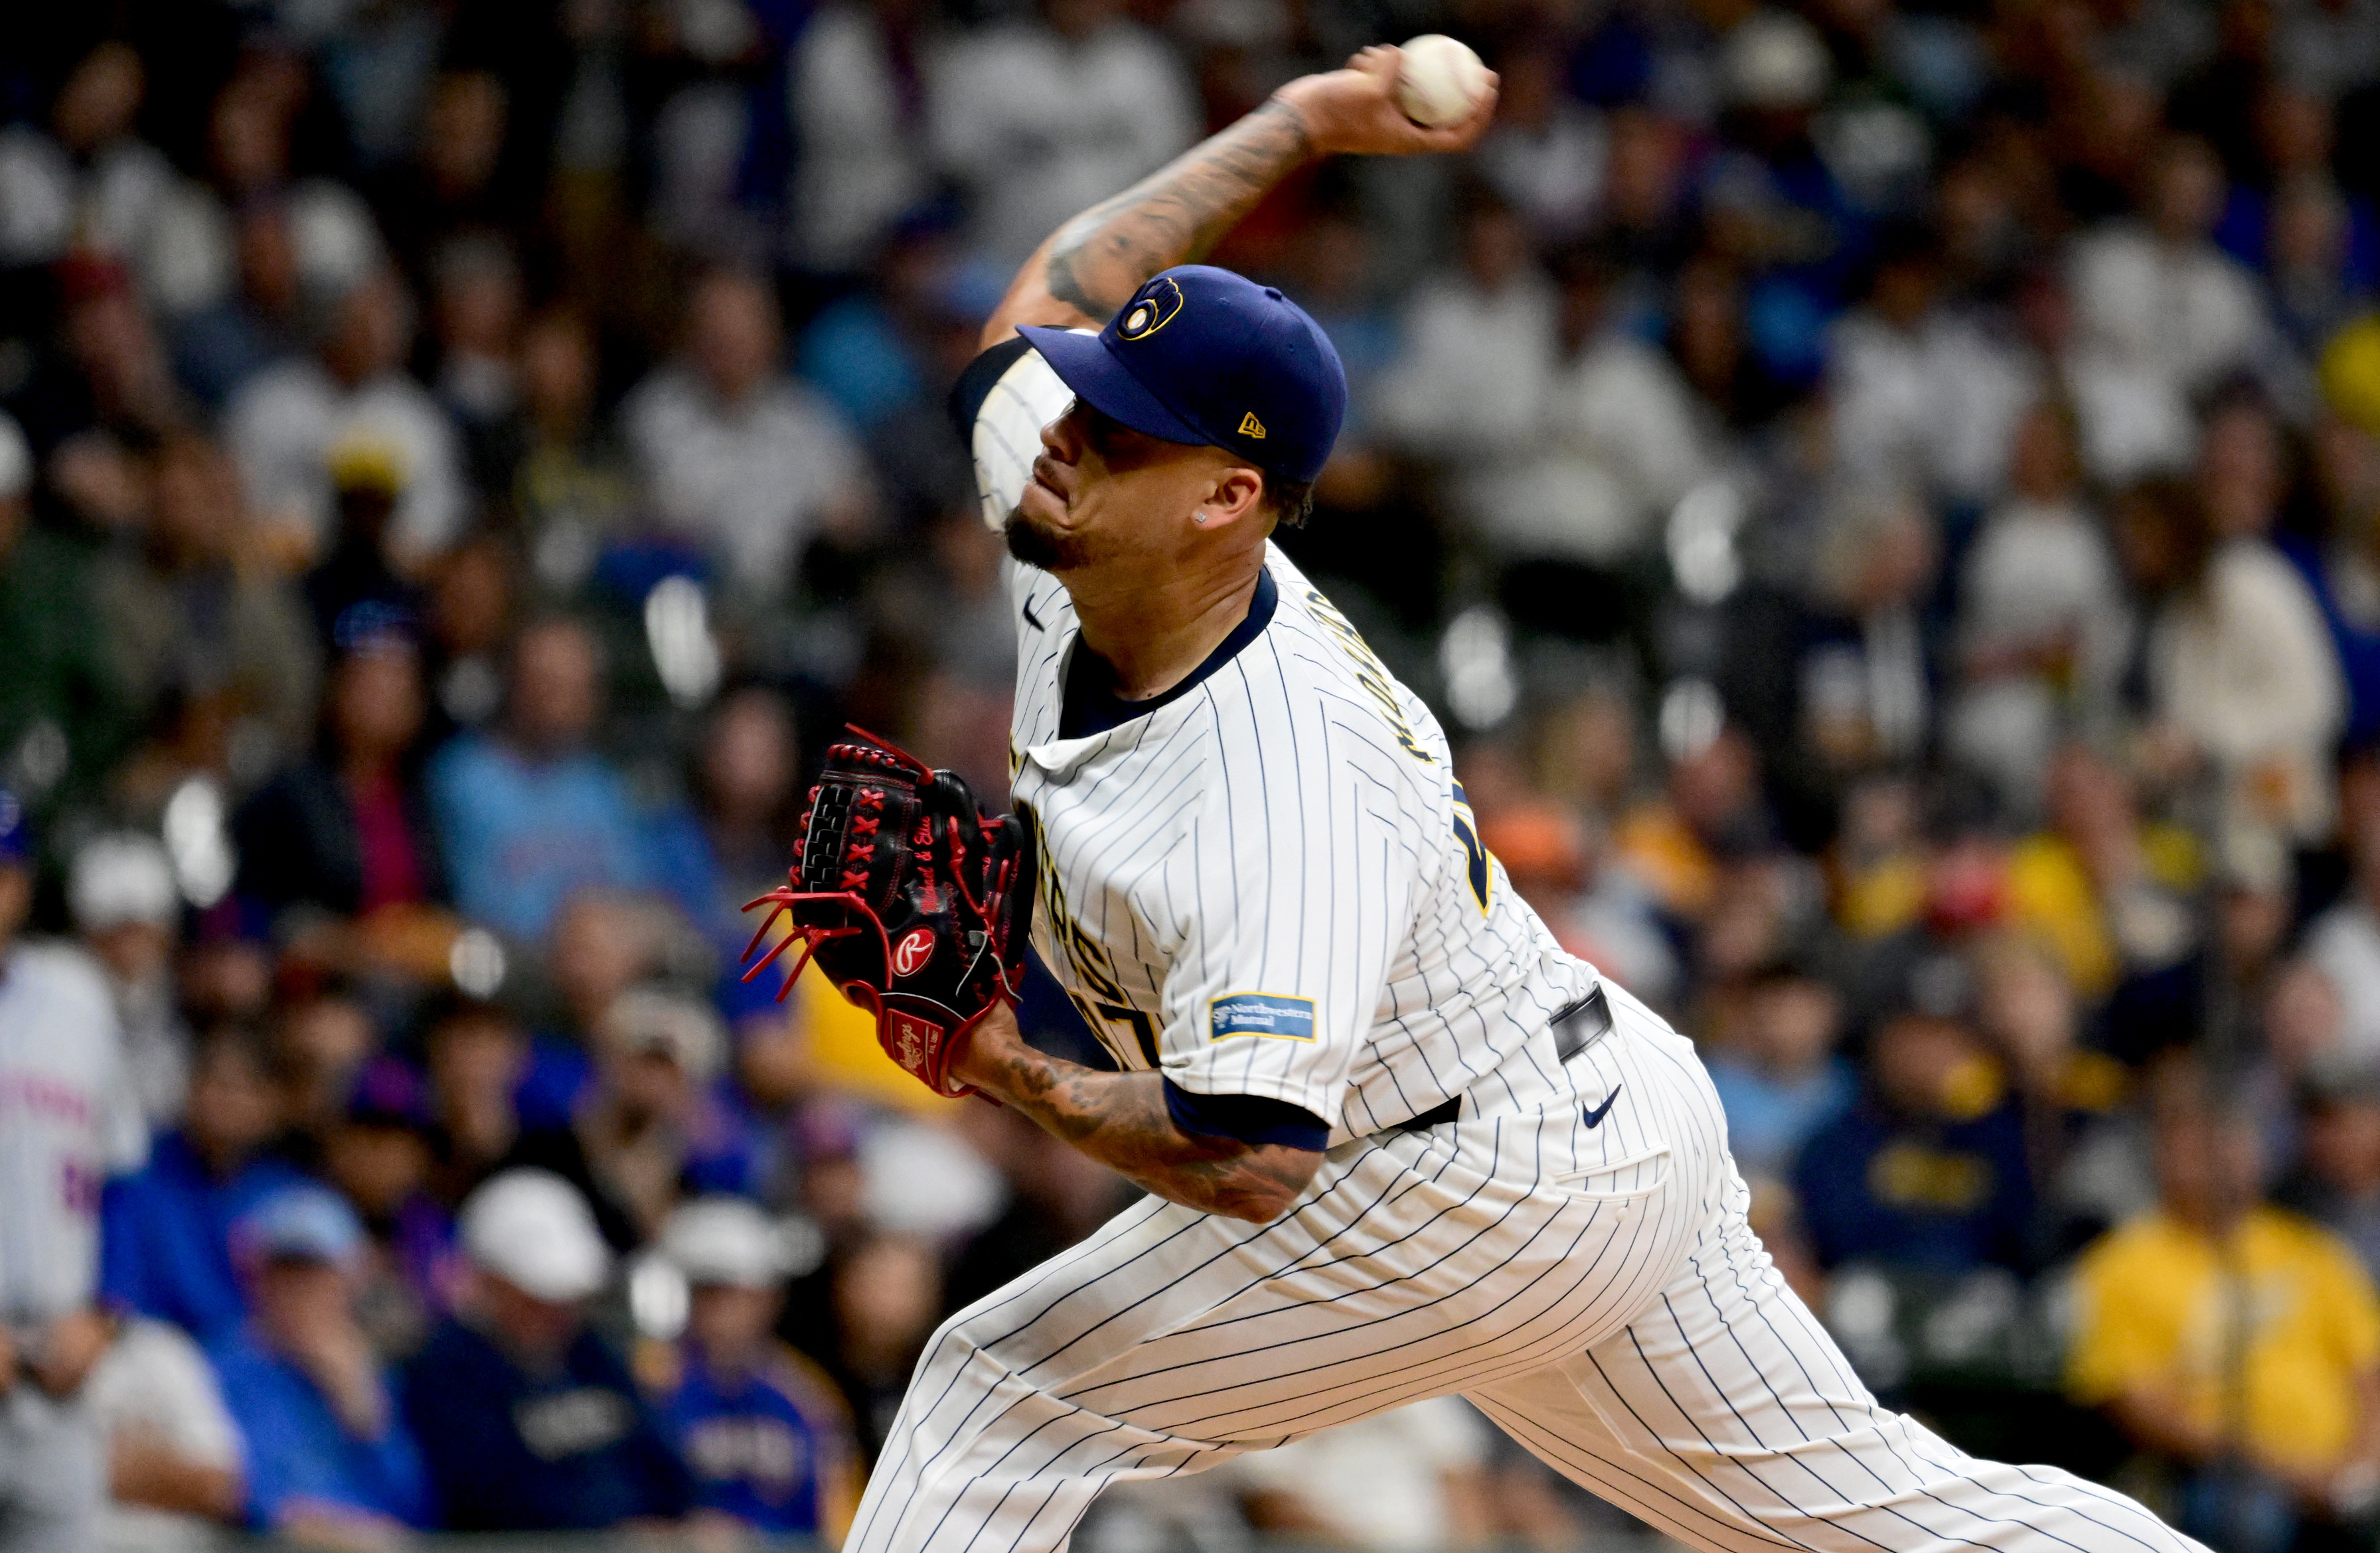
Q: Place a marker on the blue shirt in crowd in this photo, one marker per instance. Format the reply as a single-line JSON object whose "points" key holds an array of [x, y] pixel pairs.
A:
{"points": [[509, 1451], [1769, 1119], [299, 1452], [769, 1448], [522, 837], [165, 1237]]}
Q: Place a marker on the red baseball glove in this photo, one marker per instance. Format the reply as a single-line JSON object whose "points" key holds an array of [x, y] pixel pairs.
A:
{"points": [[913, 901]]}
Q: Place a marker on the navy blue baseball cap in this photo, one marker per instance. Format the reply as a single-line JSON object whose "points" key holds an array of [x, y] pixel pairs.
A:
{"points": [[1205, 356]]}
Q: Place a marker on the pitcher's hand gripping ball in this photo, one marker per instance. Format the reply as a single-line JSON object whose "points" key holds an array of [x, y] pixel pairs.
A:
{"points": [[914, 902]]}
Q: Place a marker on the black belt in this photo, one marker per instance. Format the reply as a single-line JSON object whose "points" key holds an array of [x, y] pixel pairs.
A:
{"points": [[1575, 1028]]}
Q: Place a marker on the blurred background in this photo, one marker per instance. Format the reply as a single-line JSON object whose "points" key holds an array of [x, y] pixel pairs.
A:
{"points": [[1884, 495]]}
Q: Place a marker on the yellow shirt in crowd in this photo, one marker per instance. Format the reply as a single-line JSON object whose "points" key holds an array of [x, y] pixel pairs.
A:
{"points": [[2155, 1307]]}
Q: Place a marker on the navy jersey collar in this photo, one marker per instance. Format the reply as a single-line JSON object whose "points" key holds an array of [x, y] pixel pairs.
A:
{"points": [[1091, 706]]}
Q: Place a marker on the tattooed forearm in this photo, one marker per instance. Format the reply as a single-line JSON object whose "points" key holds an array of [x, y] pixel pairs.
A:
{"points": [[1175, 214], [1120, 1120]]}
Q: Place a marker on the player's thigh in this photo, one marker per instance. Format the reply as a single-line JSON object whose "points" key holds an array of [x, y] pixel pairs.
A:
{"points": [[1416, 1268], [1727, 1416]]}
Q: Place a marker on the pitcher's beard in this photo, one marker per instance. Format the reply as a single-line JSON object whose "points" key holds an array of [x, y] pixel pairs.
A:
{"points": [[1036, 546]]}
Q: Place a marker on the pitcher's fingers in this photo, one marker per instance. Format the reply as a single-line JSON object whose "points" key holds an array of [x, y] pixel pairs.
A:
{"points": [[1465, 133]]}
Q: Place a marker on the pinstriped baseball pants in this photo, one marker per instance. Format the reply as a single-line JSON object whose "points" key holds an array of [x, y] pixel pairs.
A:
{"points": [[1594, 1290]]}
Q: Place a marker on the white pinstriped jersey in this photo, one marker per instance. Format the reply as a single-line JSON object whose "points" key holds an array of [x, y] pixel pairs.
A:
{"points": [[1272, 884]]}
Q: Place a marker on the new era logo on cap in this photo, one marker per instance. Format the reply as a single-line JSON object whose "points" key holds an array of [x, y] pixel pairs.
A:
{"points": [[1205, 357]]}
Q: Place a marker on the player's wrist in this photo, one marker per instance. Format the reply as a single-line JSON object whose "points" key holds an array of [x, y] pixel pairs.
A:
{"points": [[981, 1051], [1303, 102]]}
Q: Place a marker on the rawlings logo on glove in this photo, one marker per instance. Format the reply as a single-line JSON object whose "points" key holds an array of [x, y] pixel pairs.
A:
{"points": [[911, 899]]}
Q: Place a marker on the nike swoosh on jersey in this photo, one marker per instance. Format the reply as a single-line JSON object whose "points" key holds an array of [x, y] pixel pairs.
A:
{"points": [[1595, 1115]]}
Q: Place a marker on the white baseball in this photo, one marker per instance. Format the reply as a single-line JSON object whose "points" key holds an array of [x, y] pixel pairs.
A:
{"points": [[1440, 80]]}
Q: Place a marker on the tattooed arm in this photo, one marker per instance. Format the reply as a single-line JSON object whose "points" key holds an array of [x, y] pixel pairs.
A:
{"points": [[1093, 264], [1120, 1120]]}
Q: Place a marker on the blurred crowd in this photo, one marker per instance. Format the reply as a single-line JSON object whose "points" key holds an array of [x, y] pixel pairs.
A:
{"points": [[1886, 495]]}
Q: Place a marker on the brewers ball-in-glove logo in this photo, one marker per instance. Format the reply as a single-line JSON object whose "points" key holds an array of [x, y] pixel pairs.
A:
{"points": [[1153, 310], [913, 901]]}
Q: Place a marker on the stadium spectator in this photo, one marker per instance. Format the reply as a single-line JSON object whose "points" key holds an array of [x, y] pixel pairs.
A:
{"points": [[571, 482], [174, 1453], [1599, 445], [605, 941], [2158, 294], [328, 1458], [89, 158], [65, 1100], [2042, 614], [744, 465], [530, 814], [379, 1155], [2100, 884], [729, 845], [357, 576], [2235, 964], [2337, 1180], [476, 1056], [187, 617], [60, 701], [2267, 1405], [1922, 395], [764, 1432], [224, 339], [2245, 684], [859, 118], [112, 394], [476, 315], [882, 1293], [1043, 115], [1928, 1168], [648, 1122], [289, 423], [320, 1044], [527, 1420], [447, 191], [346, 833], [126, 911], [168, 1227], [1779, 1074], [1054, 1201], [1466, 389]]}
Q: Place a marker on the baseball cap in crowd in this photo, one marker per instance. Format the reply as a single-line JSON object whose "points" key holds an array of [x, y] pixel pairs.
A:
{"points": [[647, 1020], [533, 1228], [298, 1224], [1205, 357], [122, 876], [389, 1094], [726, 1241], [16, 830]]}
